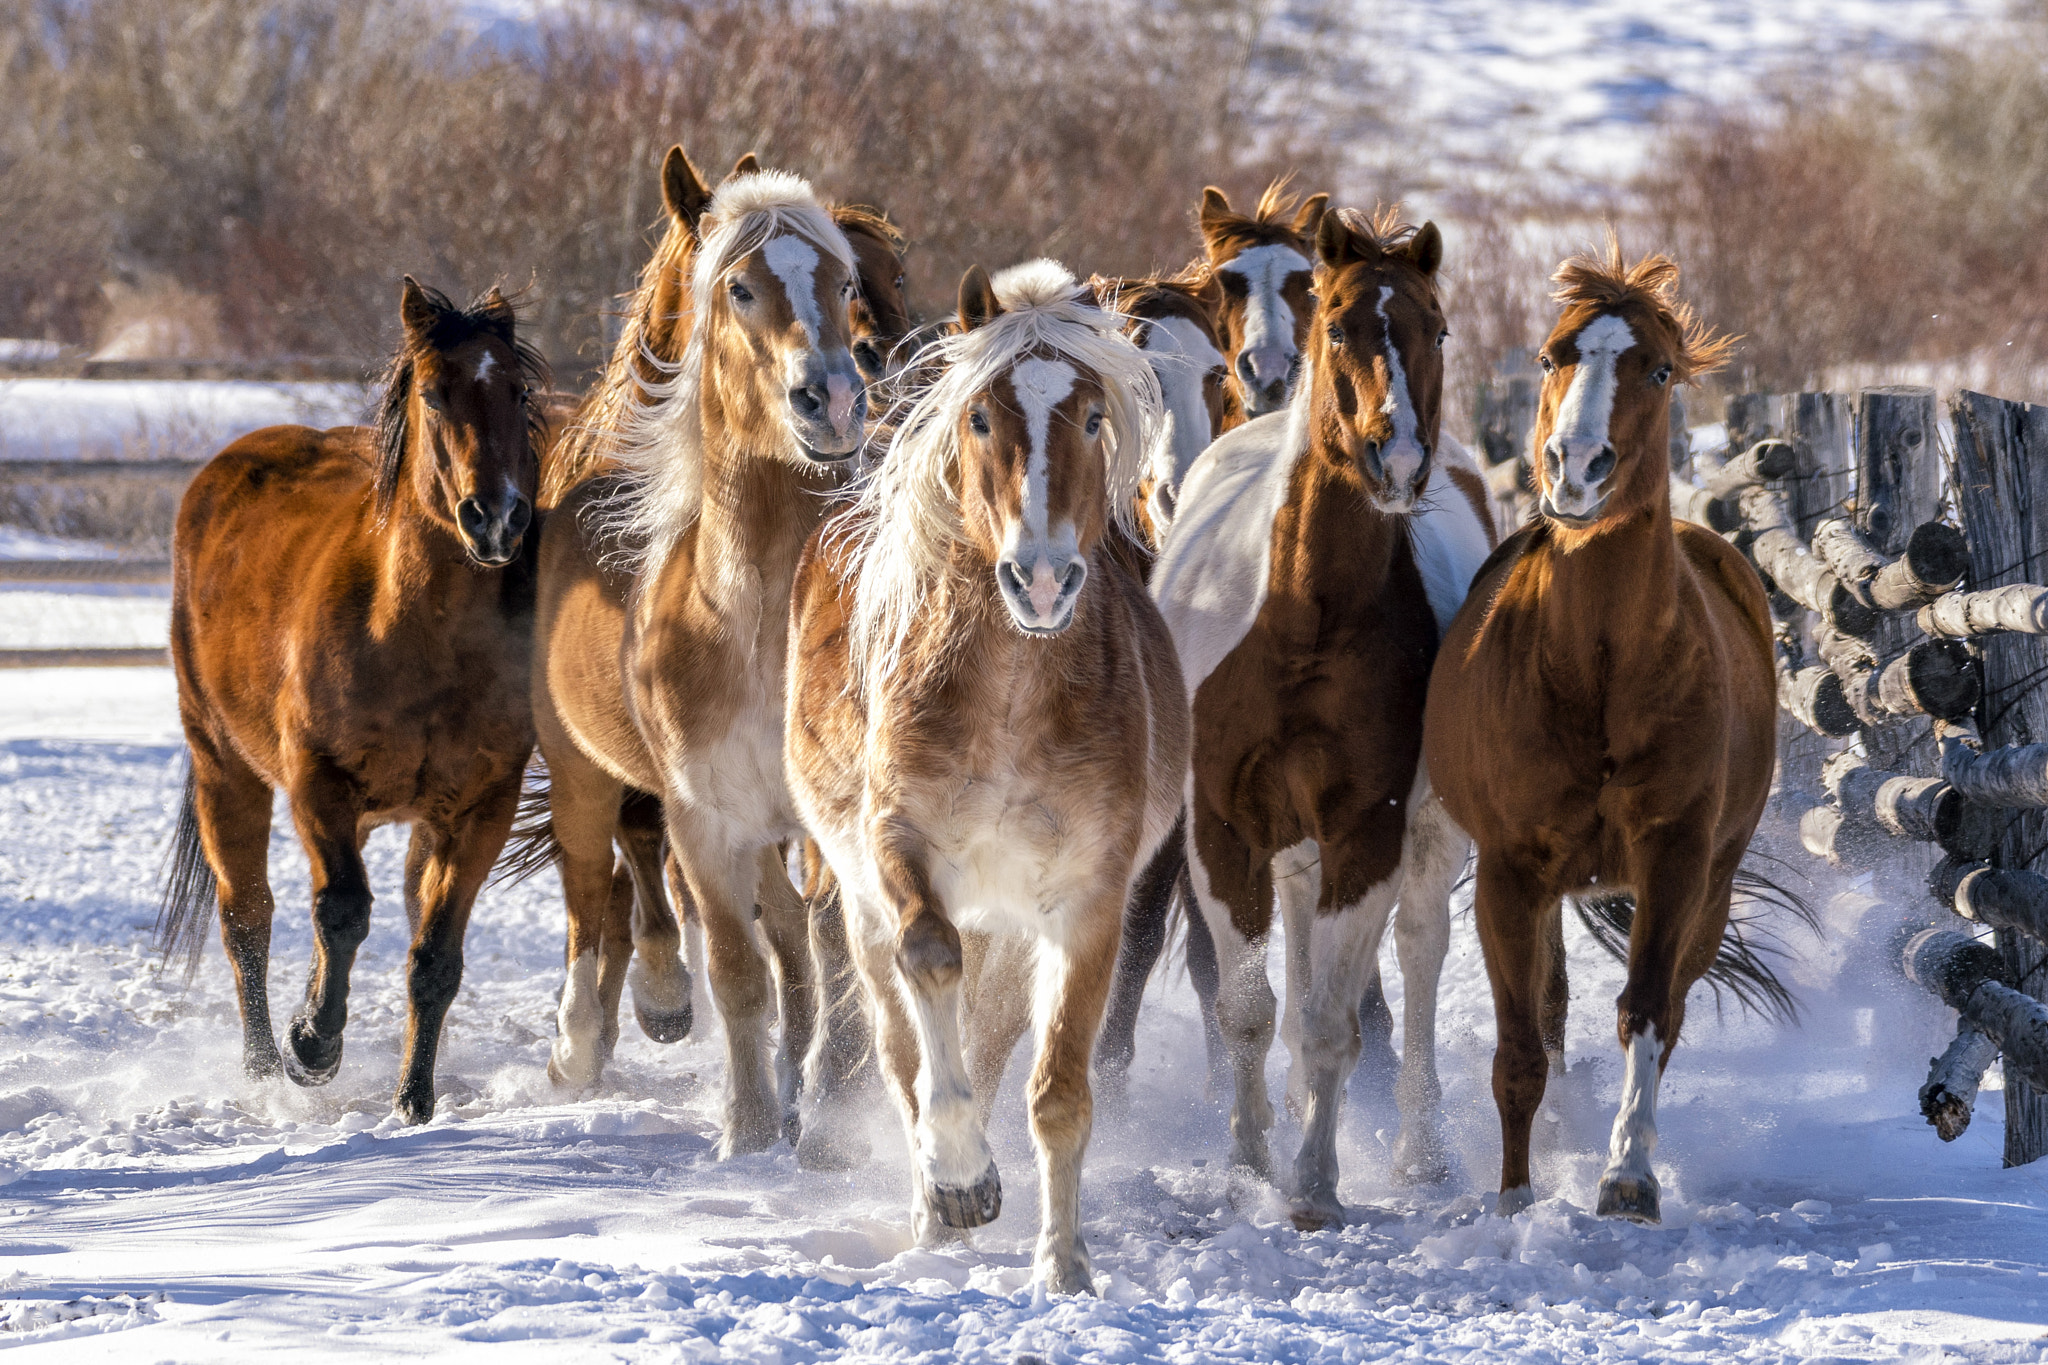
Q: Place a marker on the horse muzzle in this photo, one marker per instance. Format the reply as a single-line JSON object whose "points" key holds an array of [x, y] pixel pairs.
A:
{"points": [[492, 534], [1041, 598], [1575, 478], [828, 409], [1266, 376], [1395, 474]]}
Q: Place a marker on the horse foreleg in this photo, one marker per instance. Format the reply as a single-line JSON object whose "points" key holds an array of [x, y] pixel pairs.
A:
{"points": [[842, 1044], [1511, 916], [785, 926], [583, 808], [614, 958], [1297, 886], [461, 859], [722, 879], [1072, 983], [1144, 938], [324, 809], [1434, 855], [660, 980], [232, 807], [1244, 995]]}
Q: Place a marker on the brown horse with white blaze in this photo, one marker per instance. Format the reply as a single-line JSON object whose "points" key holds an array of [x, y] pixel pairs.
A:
{"points": [[663, 612], [1263, 262], [1315, 556], [350, 621], [1626, 663], [987, 732]]}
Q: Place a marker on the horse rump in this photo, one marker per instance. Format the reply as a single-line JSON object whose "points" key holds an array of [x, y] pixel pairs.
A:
{"points": [[1751, 946], [190, 892]]}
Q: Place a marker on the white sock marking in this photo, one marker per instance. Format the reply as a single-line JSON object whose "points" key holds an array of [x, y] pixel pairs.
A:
{"points": [[1635, 1125]]}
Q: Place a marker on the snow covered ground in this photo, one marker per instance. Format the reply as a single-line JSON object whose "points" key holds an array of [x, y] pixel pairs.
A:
{"points": [[156, 1205], [112, 419]]}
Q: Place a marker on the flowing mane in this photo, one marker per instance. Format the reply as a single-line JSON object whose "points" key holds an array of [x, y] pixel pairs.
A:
{"points": [[1591, 281], [1383, 227], [489, 312], [907, 514], [651, 426]]}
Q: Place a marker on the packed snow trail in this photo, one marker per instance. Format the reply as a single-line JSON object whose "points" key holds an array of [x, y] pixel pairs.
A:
{"points": [[155, 1204]]}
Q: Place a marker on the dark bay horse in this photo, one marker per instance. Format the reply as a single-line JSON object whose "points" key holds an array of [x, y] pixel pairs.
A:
{"points": [[987, 733], [1602, 715], [1315, 555], [351, 615], [1262, 261]]}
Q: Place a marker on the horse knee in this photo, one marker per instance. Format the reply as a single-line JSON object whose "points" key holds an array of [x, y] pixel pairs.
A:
{"points": [[928, 952], [341, 917], [434, 973]]}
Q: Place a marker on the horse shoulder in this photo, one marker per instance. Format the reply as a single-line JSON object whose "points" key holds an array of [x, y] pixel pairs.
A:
{"points": [[1716, 562]]}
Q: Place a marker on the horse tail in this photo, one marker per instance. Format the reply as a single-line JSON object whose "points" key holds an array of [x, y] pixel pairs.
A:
{"points": [[190, 891], [532, 846], [1746, 966]]}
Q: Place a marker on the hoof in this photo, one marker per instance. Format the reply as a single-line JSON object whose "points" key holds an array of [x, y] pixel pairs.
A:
{"points": [[1514, 1201], [310, 1059], [979, 1203], [414, 1104], [1633, 1197], [665, 1026], [571, 1069], [745, 1135], [1315, 1214], [1067, 1274]]}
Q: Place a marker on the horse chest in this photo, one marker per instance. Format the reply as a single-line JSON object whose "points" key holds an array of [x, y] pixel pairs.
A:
{"points": [[1001, 855]]}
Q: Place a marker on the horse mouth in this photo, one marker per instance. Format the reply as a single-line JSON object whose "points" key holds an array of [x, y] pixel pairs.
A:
{"points": [[817, 456], [1579, 521]]}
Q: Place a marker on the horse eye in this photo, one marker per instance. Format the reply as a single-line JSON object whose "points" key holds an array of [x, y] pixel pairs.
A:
{"points": [[1661, 376], [899, 282], [977, 423], [1094, 423], [433, 399], [1442, 337], [1545, 362], [1336, 335], [846, 290], [740, 293]]}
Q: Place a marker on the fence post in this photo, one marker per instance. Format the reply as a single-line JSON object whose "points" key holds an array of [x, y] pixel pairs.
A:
{"points": [[2000, 445], [1817, 425], [1898, 487]]}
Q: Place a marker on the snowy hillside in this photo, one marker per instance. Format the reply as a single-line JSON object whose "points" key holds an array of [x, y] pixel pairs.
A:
{"points": [[156, 1205]]}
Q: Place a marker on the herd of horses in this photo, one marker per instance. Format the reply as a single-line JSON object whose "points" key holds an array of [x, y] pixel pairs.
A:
{"points": [[925, 671]]}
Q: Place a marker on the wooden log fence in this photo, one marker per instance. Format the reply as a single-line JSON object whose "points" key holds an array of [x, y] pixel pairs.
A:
{"points": [[1909, 603]]}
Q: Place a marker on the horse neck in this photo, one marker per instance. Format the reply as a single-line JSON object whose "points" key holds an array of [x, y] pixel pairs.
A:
{"points": [[1614, 595], [756, 514], [1330, 538]]}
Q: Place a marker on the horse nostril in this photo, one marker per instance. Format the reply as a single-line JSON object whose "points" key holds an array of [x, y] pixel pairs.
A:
{"points": [[868, 357], [1073, 576], [1012, 576], [860, 406], [1601, 466], [808, 400], [1553, 461], [1244, 368], [519, 518], [469, 514]]}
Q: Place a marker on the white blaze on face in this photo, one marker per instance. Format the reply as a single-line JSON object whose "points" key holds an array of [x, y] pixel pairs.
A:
{"points": [[1183, 357], [1581, 433], [1268, 321], [484, 367], [1041, 385], [1402, 456], [795, 263]]}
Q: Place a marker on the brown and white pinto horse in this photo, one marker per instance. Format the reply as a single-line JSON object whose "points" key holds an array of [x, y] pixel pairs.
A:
{"points": [[987, 732], [1625, 663], [1261, 260], [1315, 555], [663, 611], [351, 614]]}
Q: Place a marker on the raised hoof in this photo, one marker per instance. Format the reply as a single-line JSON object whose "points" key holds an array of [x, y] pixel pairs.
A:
{"points": [[969, 1207], [309, 1059], [817, 1150], [1633, 1197], [413, 1104], [665, 1026], [1514, 1201]]}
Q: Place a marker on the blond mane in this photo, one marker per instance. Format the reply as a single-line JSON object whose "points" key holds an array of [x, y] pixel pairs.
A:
{"points": [[652, 428], [1607, 282], [906, 518]]}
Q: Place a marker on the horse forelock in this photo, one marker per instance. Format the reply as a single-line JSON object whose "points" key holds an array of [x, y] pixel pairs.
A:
{"points": [[907, 516], [655, 434], [1589, 285], [488, 314]]}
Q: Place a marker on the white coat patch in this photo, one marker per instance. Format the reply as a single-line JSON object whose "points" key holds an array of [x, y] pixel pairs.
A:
{"points": [[484, 367], [1264, 269], [1588, 404], [1041, 385], [795, 263]]}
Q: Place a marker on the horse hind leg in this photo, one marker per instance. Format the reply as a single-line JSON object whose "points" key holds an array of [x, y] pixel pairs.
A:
{"points": [[324, 809], [230, 810], [785, 925], [1146, 915], [1430, 864], [1244, 995], [583, 809], [838, 1069], [659, 976]]}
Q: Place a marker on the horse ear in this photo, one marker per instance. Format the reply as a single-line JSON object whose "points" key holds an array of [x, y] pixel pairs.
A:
{"points": [[1426, 249], [978, 305], [416, 310], [1334, 243], [1215, 208], [495, 312], [683, 189], [748, 164], [1310, 215]]}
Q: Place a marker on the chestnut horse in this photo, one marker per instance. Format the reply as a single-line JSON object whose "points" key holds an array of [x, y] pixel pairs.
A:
{"points": [[663, 612], [987, 732], [1315, 556], [639, 937], [1261, 261], [351, 613], [1625, 663]]}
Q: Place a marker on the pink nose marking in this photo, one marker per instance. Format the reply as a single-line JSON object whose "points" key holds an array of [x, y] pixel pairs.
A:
{"points": [[839, 397], [1045, 589]]}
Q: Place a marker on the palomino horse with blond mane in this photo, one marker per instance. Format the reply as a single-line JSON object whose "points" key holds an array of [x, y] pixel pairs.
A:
{"points": [[1261, 261], [1627, 661], [1315, 556], [987, 732], [663, 609], [350, 621]]}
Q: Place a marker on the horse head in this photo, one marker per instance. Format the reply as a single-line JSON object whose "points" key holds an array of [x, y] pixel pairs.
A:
{"points": [[879, 312], [456, 420], [1172, 322], [1377, 351], [1261, 260], [1602, 425]]}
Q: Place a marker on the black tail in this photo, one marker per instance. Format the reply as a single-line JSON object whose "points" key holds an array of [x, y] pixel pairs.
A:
{"points": [[1745, 967], [531, 848], [190, 894]]}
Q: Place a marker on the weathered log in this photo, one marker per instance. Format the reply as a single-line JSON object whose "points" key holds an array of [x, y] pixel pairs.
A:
{"points": [[1762, 462], [1814, 697], [1830, 835], [1790, 568], [1971, 979], [1934, 563], [2002, 897], [2018, 607], [2015, 776], [1898, 484], [1934, 678], [1924, 808], [1953, 1079], [1853, 560], [1693, 504]]}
